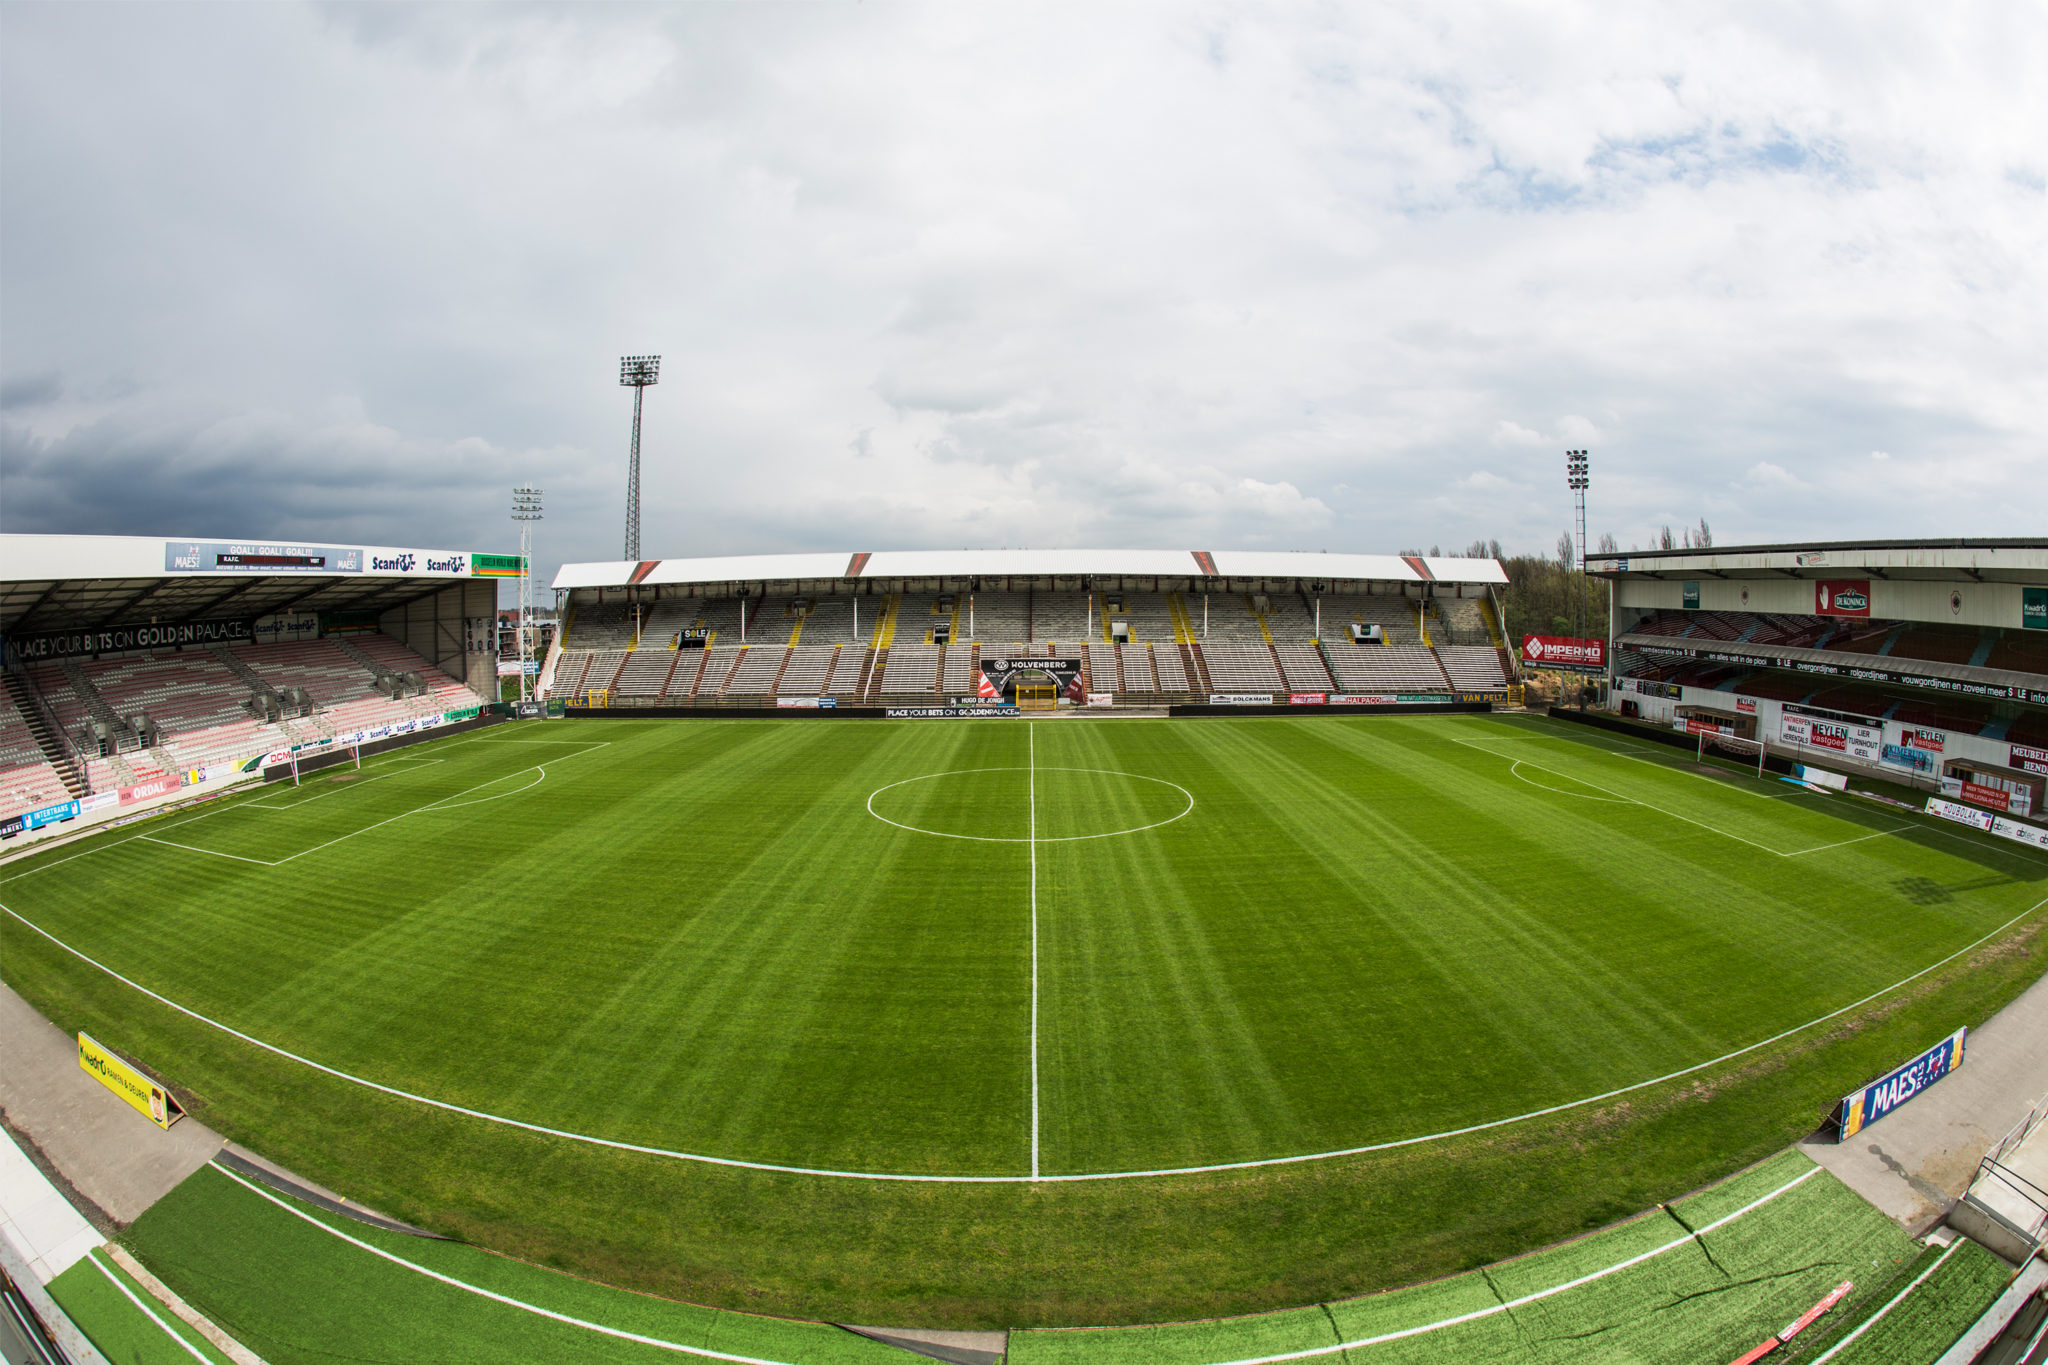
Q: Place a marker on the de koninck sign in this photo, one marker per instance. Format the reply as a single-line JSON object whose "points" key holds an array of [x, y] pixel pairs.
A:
{"points": [[77, 644], [1862, 671]]}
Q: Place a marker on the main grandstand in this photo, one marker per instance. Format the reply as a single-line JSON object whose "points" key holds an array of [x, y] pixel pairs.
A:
{"points": [[1923, 663], [135, 667], [1150, 627]]}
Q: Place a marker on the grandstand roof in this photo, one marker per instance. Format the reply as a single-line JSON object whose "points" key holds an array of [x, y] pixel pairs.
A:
{"points": [[1961, 561], [51, 583], [863, 566]]}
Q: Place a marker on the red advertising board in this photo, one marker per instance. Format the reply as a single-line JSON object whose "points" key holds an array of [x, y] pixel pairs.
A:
{"points": [[2028, 760], [1695, 726], [1842, 597], [1563, 651], [1994, 798], [1306, 698], [1933, 741], [154, 787], [1362, 699]]}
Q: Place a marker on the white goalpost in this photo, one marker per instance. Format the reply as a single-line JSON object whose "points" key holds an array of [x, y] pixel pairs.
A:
{"points": [[1750, 752]]}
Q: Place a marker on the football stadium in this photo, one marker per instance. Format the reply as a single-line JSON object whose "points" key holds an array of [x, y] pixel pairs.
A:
{"points": [[1060, 956]]}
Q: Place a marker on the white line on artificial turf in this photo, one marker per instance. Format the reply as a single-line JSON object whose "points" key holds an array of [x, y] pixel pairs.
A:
{"points": [[1690, 1237], [1488, 1312], [115, 1280], [617, 1145], [1874, 1318], [1031, 800], [522, 1305]]}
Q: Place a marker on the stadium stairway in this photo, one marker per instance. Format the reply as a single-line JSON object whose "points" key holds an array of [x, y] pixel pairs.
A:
{"points": [[42, 726]]}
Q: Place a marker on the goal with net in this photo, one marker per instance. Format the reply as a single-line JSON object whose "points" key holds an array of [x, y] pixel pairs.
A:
{"points": [[1748, 752]]}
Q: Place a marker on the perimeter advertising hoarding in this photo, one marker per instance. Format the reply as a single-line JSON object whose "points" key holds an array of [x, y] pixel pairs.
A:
{"points": [[1864, 1107], [938, 712], [82, 644], [148, 1096], [1859, 742], [1308, 698], [1865, 671], [1995, 798], [1906, 756], [2031, 835], [50, 815], [2027, 759], [1563, 651], [254, 556], [1842, 597], [1693, 725], [1240, 699], [1000, 675]]}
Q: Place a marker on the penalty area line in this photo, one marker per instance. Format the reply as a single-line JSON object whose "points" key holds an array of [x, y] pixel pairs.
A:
{"points": [[734, 1162]]}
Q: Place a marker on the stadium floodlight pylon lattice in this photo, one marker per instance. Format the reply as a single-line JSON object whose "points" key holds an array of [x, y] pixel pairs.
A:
{"points": [[526, 510], [636, 372], [1748, 750]]}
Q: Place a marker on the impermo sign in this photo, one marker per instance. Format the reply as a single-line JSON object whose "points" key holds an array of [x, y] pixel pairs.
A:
{"points": [[1563, 651]]}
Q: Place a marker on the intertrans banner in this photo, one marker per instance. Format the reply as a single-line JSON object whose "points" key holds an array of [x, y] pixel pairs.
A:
{"points": [[1563, 651], [1864, 1107]]}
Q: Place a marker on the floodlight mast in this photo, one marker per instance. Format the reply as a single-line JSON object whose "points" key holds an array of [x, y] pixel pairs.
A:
{"points": [[526, 510], [636, 372], [1578, 479]]}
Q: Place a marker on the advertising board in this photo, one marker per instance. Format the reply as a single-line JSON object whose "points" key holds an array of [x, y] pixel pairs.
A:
{"points": [[1868, 669], [1905, 756], [1695, 725], [284, 627], [1362, 699], [1961, 815], [2027, 759], [1240, 699], [79, 644], [156, 786], [1563, 651], [934, 712], [198, 556], [1842, 597], [1932, 741], [1000, 675], [1992, 798], [496, 566], [1861, 1108], [797, 703], [139, 1089], [10, 827], [50, 815], [2031, 835], [2034, 608], [1689, 594], [1308, 698], [1860, 742]]}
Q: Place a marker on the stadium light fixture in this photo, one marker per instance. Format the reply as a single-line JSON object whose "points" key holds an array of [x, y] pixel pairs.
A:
{"points": [[636, 372], [526, 510], [1578, 477]]}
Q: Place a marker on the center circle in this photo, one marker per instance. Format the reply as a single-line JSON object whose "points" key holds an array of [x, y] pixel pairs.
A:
{"points": [[1020, 805]]}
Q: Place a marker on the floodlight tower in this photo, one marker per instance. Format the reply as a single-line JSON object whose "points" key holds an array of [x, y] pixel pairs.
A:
{"points": [[636, 372], [526, 511], [1578, 479]]}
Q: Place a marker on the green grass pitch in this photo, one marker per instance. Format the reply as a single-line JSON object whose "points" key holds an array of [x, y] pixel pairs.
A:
{"points": [[980, 951]]}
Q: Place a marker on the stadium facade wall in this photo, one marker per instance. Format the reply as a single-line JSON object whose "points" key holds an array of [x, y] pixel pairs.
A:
{"points": [[1964, 604], [455, 630]]}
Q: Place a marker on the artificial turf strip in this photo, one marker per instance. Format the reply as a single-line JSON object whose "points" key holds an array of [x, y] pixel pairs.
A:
{"points": [[119, 1326], [1929, 1319], [1731, 1286], [696, 935], [264, 1269]]}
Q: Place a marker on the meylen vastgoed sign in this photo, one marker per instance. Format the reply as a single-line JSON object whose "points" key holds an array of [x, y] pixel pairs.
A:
{"points": [[1864, 1107]]}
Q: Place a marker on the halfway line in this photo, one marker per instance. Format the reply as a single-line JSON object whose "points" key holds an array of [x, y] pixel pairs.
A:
{"points": [[1031, 802]]}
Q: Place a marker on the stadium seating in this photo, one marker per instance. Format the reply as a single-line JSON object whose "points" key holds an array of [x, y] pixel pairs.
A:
{"points": [[758, 667], [912, 670], [646, 672], [1303, 668], [1063, 618], [29, 786], [959, 677], [1473, 668], [1242, 667], [1385, 668], [600, 625], [809, 667], [999, 619], [1395, 616], [1149, 615]]}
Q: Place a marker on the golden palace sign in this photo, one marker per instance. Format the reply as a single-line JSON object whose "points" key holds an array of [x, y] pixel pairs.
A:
{"points": [[147, 1095]]}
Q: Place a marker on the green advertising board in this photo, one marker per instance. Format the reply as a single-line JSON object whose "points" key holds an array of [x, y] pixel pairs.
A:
{"points": [[495, 566], [2034, 608], [1692, 595]]}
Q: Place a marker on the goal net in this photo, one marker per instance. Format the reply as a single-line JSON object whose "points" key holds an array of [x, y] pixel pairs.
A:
{"points": [[1748, 752]]}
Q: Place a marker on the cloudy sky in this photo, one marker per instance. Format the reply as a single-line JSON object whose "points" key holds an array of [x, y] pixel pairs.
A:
{"points": [[1291, 276]]}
